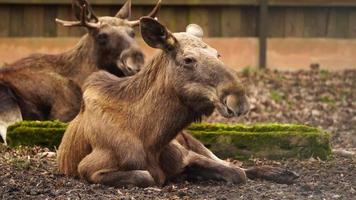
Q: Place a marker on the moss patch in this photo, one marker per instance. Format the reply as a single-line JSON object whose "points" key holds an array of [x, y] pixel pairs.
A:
{"points": [[273, 141], [36, 133]]}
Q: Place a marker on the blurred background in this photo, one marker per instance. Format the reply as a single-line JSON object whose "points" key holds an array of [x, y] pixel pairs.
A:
{"points": [[292, 34]]}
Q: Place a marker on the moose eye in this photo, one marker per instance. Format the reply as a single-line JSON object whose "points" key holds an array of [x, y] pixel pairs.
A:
{"points": [[189, 61], [102, 38], [132, 34]]}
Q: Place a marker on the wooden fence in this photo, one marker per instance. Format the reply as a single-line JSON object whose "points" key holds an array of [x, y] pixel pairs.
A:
{"points": [[219, 18]]}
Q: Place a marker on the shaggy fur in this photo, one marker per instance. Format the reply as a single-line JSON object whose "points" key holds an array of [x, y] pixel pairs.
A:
{"points": [[48, 87], [129, 130]]}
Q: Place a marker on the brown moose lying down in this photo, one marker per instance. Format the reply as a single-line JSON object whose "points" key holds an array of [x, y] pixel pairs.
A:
{"points": [[128, 131], [49, 87]]}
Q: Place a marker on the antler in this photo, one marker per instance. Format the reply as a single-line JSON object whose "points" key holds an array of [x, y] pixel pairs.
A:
{"points": [[83, 21], [90, 13], [152, 14]]}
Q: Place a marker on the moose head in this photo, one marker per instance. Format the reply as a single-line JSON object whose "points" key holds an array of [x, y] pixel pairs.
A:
{"points": [[200, 78], [113, 38]]}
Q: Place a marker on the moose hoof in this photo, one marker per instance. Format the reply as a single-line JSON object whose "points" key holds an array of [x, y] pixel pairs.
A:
{"points": [[274, 174], [235, 176]]}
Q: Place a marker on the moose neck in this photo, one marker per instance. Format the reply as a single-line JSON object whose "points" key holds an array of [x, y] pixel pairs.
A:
{"points": [[79, 62], [159, 112]]}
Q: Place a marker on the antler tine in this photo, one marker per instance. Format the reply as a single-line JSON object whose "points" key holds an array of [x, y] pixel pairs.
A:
{"points": [[68, 23], [89, 8], [152, 14], [155, 10], [82, 22], [133, 23]]}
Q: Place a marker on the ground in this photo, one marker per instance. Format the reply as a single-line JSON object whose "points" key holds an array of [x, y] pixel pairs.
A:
{"points": [[31, 174], [318, 98]]}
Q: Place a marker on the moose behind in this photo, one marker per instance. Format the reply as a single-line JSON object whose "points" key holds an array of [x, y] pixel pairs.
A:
{"points": [[47, 87]]}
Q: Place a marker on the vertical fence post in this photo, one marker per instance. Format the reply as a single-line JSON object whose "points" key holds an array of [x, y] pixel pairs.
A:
{"points": [[263, 31]]}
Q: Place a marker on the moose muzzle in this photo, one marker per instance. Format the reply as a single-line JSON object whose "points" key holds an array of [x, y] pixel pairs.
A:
{"points": [[233, 104]]}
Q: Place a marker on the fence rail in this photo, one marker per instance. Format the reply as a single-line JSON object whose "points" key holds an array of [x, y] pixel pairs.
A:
{"points": [[223, 18], [318, 3], [227, 18]]}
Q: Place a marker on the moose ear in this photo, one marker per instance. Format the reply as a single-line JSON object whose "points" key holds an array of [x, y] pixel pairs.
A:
{"points": [[78, 5], [195, 29], [125, 11], [156, 35]]}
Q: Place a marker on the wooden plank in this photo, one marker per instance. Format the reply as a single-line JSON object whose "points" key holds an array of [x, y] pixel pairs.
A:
{"points": [[263, 32], [315, 22], [312, 3], [208, 19], [276, 22], [214, 22], [249, 21], [342, 21], [338, 26], [33, 21], [16, 21], [167, 16], [198, 15], [101, 11], [63, 12], [49, 23], [231, 25], [304, 3], [5, 21], [309, 22], [181, 18], [138, 2], [294, 22], [352, 24]]}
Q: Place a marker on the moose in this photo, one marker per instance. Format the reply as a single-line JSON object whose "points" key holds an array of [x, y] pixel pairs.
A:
{"points": [[49, 87], [129, 130]]}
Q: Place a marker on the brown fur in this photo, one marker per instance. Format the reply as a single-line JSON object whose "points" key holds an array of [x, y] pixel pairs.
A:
{"points": [[48, 87], [128, 126], [127, 132]]}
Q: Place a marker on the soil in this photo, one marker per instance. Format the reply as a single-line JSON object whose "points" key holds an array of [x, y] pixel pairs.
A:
{"points": [[29, 174], [318, 98]]}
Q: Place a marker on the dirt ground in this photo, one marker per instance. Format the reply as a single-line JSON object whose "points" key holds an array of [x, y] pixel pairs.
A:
{"points": [[319, 98], [30, 174]]}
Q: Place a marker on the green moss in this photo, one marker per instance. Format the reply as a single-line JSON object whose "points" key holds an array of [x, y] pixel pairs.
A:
{"points": [[273, 141], [271, 127], [272, 145]]}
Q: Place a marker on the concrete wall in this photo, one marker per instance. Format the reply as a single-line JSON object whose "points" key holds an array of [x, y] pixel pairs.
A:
{"points": [[283, 54]]}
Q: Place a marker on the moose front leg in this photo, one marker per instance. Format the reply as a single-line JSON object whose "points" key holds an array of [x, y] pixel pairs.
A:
{"points": [[101, 167], [192, 144], [153, 166], [274, 174], [177, 159], [201, 167]]}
